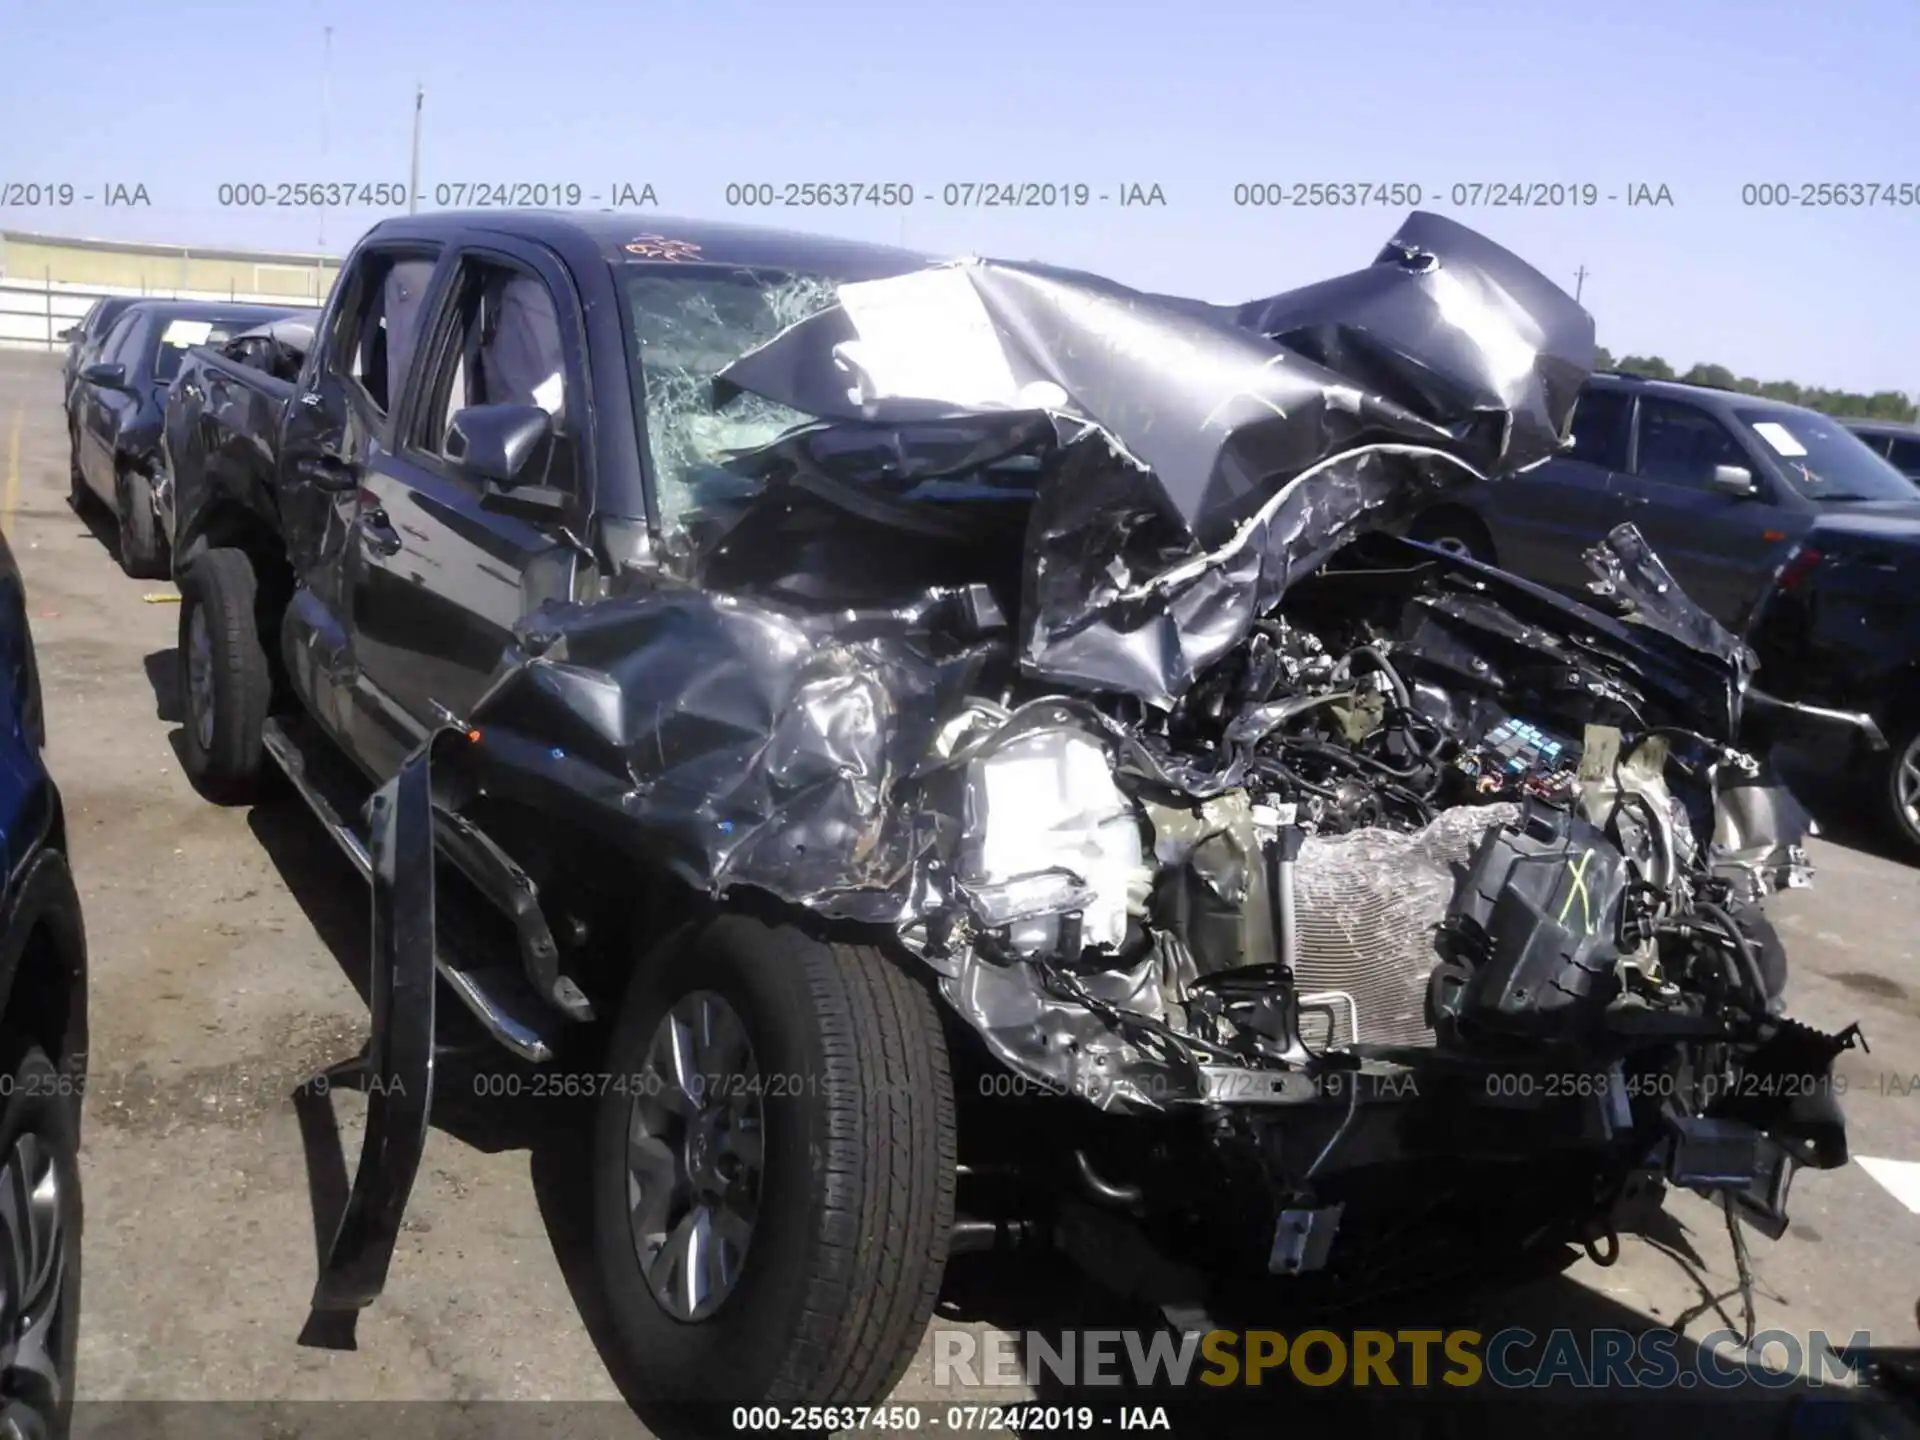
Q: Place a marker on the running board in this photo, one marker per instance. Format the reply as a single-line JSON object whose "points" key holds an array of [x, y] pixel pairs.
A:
{"points": [[498, 995]]}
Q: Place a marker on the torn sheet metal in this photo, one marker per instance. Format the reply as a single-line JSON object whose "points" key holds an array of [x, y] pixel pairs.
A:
{"points": [[735, 743], [397, 1066], [1677, 667], [1634, 579], [1209, 455]]}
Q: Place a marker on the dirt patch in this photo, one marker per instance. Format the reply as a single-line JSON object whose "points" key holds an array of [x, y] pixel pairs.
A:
{"points": [[159, 1099]]}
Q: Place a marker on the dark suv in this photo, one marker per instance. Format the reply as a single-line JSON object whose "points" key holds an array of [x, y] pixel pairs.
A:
{"points": [[1722, 485], [1899, 443], [1780, 521]]}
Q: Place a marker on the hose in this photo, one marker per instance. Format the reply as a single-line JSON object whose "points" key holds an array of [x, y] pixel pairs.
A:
{"points": [[1743, 947], [1355, 760], [1403, 701], [1379, 658]]}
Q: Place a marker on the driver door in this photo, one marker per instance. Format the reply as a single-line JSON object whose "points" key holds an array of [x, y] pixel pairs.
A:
{"points": [[1720, 547], [96, 408], [449, 563]]}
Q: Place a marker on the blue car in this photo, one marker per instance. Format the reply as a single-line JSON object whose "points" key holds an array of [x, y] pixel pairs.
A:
{"points": [[43, 1053]]}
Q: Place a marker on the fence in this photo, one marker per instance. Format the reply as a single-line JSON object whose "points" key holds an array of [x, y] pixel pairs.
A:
{"points": [[34, 312]]}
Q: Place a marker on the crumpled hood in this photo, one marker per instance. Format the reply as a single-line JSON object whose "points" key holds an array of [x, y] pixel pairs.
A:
{"points": [[1204, 457], [795, 747]]}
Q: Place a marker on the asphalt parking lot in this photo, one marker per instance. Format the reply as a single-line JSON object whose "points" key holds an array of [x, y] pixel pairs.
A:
{"points": [[225, 949]]}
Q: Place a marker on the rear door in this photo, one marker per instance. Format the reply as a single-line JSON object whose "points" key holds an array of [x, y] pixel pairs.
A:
{"points": [[337, 438], [1720, 547], [1544, 520], [447, 568]]}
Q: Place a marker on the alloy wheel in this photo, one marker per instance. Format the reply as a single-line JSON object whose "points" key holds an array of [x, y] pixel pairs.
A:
{"points": [[1904, 782], [33, 1271], [695, 1155]]}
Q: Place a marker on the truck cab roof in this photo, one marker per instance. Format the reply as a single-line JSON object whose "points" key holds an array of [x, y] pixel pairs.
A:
{"points": [[634, 238]]}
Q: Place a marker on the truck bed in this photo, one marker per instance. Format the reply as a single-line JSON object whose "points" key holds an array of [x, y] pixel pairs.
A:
{"points": [[222, 438]]}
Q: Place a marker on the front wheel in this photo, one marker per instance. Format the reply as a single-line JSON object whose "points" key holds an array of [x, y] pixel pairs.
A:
{"points": [[143, 550], [1898, 784], [78, 496], [40, 1225], [773, 1170]]}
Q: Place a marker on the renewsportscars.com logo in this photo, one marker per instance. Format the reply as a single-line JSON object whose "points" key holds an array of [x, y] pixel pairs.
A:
{"points": [[1511, 1359]]}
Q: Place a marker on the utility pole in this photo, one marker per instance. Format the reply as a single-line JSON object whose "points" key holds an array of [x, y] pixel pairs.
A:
{"points": [[1579, 282], [413, 180], [326, 106]]}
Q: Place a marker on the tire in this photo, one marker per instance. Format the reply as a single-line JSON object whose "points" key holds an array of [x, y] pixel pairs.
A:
{"points": [[854, 1205], [1456, 531], [1896, 786], [79, 497], [225, 685], [41, 1219], [143, 551]]}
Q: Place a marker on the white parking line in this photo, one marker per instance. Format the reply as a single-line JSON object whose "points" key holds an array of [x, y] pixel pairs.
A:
{"points": [[1900, 1177]]}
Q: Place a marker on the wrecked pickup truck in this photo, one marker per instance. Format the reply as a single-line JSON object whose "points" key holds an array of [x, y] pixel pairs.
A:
{"points": [[958, 761]]}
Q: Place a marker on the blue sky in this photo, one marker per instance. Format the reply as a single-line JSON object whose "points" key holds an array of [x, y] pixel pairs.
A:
{"points": [[1701, 96]]}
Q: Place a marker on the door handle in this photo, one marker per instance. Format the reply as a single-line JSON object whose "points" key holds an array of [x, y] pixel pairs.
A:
{"points": [[379, 533]]}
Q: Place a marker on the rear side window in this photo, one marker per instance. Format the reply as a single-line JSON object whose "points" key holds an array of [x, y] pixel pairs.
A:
{"points": [[114, 348], [1600, 428], [1905, 455], [376, 336], [100, 319]]}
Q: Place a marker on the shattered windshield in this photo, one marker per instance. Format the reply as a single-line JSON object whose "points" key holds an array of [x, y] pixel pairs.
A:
{"points": [[1824, 459], [690, 322]]}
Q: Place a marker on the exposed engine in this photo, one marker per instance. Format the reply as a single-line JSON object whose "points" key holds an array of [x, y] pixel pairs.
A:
{"points": [[1351, 839], [1370, 902]]}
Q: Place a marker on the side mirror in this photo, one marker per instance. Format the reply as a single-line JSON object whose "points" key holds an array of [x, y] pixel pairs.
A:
{"points": [[107, 377], [1734, 480], [506, 448], [70, 334]]}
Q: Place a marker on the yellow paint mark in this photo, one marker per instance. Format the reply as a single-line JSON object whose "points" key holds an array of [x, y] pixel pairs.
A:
{"points": [[13, 472], [162, 597], [1579, 887]]}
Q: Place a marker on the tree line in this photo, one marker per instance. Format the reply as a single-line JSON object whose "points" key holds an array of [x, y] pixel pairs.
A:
{"points": [[1883, 405]]}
